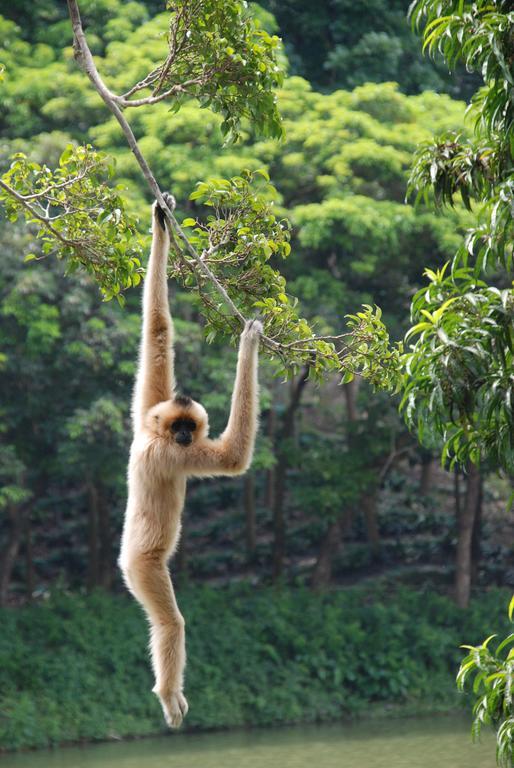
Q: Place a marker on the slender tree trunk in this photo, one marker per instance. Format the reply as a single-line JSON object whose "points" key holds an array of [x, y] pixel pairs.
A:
{"points": [[368, 504], [476, 543], [279, 533], [456, 491], [322, 573], [249, 507], [465, 524], [427, 471], [331, 542], [93, 563], [9, 554], [337, 530], [270, 473], [30, 577], [283, 448]]}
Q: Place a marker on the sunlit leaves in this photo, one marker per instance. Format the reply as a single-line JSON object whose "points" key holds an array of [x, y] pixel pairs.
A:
{"points": [[480, 35], [490, 674], [460, 369], [220, 55], [460, 372], [78, 215], [240, 237]]}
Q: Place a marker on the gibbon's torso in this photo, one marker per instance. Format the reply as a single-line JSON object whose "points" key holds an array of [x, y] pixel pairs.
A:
{"points": [[156, 492]]}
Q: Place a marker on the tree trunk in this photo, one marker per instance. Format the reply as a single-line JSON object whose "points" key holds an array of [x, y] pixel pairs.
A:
{"points": [[476, 542], [427, 471], [456, 491], [270, 473], [465, 524], [279, 533], [93, 561], [249, 507], [283, 446], [322, 573], [368, 504], [17, 515], [30, 578]]}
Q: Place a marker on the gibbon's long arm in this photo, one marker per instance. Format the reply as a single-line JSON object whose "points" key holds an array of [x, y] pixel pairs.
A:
{"points": [[155, 380], [231, 453]]}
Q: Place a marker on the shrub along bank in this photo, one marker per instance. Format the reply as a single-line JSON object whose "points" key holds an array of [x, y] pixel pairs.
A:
{"points": [[76, 668]]}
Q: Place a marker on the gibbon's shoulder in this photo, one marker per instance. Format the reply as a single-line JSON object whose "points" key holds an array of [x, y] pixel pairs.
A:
{"points": [[147, 446]]}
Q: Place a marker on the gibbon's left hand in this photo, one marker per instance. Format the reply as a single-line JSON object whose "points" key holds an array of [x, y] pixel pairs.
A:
{"points": [[159, 213], [253, 330]]}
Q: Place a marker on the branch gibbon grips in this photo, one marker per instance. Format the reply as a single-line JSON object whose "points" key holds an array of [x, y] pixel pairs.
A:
{"points": [[171, 443]]}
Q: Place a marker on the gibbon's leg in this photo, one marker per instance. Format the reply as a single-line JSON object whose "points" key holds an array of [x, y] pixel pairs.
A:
{"points": [[147, 576], [155, 378]]}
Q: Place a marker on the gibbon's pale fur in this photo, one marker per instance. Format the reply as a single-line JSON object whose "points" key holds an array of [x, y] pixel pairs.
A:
{"points": [[170, 444]]}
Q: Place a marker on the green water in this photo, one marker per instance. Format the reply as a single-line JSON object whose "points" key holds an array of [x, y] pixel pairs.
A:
{"points": [[438, 742]]}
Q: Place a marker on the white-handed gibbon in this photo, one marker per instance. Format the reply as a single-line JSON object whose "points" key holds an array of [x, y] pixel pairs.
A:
{"points": [[170, 444]]}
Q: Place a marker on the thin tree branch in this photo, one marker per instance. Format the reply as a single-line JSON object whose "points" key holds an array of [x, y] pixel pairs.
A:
{"points": [[33, 212]]}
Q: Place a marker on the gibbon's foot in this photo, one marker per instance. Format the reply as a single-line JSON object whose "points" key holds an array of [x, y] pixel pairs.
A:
{"points": [[253, 330], [159, 213], [174, 706]]}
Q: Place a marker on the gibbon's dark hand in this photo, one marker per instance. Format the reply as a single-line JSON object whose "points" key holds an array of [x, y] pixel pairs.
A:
{"points": [[158, 211]]}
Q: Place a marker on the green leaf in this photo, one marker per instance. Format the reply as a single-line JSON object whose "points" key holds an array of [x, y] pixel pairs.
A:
{"points": [[511, 608]]}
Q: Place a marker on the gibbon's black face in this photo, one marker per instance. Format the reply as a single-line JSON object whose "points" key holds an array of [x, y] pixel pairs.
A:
{"points": [[182, 430]]}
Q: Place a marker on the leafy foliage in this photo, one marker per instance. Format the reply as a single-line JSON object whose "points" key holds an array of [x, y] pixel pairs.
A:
{"points": [[220, 54], [78, 216], [317, 657], [491, 675], [237, 242], [460, 371], [480, 35]]}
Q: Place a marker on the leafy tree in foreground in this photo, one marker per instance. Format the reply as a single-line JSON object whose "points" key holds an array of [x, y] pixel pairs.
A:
{"points": [[459, 383]]}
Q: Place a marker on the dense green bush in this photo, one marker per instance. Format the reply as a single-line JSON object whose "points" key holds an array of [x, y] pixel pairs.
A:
{"points": [[76, 668]]}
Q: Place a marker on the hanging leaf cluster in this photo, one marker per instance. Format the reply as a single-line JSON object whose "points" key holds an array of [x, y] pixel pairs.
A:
{"points": [[459, 380], [219, 54], [478, 34], [489, 674], [78, 215], [239, 236]]}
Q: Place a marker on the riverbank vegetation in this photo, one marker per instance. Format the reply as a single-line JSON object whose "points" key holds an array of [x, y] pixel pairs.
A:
{"points": [[75, 667]]}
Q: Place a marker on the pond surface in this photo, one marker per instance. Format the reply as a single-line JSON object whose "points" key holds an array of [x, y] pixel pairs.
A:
{"points": [[437, 742]]}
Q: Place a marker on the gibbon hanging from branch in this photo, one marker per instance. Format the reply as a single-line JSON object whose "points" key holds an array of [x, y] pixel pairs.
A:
{"points": [[170, 444]]}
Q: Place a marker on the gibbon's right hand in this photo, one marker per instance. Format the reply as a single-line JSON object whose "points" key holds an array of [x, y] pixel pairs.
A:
{"points": [[253, 330], [159, 213]]}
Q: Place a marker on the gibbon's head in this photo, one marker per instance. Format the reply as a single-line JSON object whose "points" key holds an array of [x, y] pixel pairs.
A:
{"points": [[181, 420]]}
